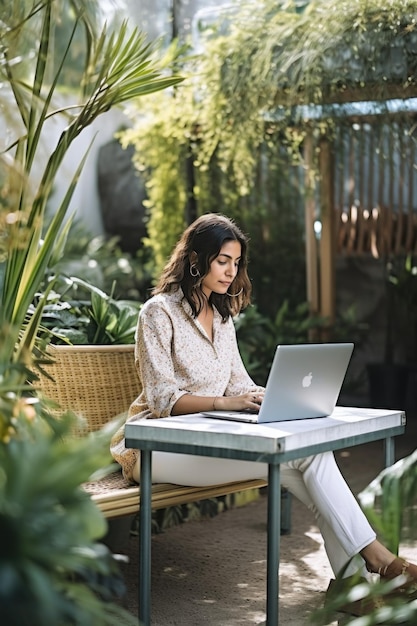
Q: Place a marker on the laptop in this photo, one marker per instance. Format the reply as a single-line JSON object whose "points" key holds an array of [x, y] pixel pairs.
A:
{"points": [[304, 381]]}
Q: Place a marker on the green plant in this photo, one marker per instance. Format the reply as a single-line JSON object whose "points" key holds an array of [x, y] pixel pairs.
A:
{"points": [[51, 568], [99, 320]]}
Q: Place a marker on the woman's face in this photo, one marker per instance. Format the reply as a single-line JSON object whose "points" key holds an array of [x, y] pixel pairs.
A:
{"points": [[223, 269]]}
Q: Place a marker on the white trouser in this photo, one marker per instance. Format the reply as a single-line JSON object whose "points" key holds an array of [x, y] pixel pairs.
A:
{"points": [[315, 480]]}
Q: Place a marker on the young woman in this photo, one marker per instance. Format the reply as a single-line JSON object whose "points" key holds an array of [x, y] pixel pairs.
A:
{"points": [[188, 361]]}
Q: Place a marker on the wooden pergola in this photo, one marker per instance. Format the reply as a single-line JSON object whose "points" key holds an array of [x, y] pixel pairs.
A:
{"points": [[362, 211]]}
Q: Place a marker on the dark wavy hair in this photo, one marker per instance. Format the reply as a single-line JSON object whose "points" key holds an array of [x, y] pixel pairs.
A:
{"points": [[205, 238]]}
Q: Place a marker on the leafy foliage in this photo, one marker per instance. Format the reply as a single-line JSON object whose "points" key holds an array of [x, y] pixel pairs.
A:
{"points": [[186, 175], [100, 320], [259, 335], [314, 55], [51, 567]]}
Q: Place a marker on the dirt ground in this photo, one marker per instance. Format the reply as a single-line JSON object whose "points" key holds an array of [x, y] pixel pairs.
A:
{"points": [[213, 572]]}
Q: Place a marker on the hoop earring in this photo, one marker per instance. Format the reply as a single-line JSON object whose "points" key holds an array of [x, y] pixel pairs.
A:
{"points": [[194, 271], [234, 295]]}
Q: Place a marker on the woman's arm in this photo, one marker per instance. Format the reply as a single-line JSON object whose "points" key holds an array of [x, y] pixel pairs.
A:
{"points": [[196, 404]]}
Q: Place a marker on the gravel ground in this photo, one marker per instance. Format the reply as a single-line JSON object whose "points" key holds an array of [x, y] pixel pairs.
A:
{"points": [[212, 572]]}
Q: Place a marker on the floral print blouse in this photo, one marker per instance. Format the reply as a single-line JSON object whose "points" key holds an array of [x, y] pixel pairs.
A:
{"points": [[174, 356]]}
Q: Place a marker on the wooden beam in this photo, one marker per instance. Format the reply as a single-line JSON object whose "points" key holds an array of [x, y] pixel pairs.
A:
{"points": [[328, 239], [374, 92]]}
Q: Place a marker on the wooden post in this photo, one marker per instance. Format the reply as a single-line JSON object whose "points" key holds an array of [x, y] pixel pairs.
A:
{"points": [[312, 285], [327, 240]]}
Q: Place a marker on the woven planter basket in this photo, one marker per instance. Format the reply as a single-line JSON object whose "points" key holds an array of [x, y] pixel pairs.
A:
{"points": [[96, 382]]}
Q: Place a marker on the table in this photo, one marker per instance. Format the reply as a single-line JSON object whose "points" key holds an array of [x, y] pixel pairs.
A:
{"points": [[267, 443]]}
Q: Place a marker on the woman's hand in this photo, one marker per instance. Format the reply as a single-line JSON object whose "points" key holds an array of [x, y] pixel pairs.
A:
{"points": [[245, 402]]}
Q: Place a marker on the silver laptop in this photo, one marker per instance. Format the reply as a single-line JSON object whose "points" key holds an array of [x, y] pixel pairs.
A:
{"points": [[304, 381]]}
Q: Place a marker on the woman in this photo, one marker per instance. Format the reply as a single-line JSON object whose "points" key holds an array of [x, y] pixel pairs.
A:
{"points": [[188, 361]]}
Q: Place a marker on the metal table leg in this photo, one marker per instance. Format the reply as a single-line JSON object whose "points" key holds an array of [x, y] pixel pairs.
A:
{"points": [[389, 451], [273, 545], [145, 523]]}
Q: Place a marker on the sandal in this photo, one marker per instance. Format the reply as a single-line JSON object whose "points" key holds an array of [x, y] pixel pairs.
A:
{"points": [[399, 567]]}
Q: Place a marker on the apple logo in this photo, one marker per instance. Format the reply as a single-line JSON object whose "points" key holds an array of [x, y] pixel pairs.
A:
{"points": [[307, 380]]}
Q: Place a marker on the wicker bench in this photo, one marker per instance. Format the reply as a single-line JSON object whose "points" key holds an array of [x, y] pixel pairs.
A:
{"points": [[100, 382]]}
